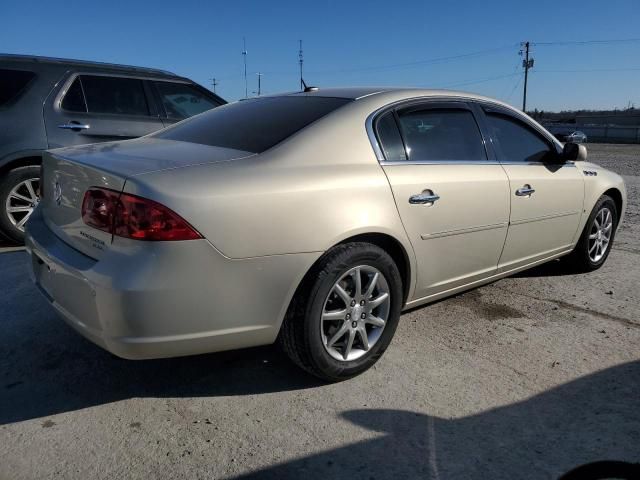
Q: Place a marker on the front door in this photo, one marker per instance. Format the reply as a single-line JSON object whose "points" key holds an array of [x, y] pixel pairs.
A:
{"points": [[546, 196], [99, 108], [453, 202]]}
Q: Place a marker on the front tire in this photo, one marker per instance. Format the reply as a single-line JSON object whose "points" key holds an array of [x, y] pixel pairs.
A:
{"points": [[597, 237], [18, 197], [344, 313]]}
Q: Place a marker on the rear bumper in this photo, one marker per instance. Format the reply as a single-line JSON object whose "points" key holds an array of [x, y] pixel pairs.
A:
{"points": [[164, 299]]}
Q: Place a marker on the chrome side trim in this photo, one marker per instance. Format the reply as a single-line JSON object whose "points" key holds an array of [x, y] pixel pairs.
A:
{"points": [[488, 279], [468, 162], [480, 228], [544, 217]]}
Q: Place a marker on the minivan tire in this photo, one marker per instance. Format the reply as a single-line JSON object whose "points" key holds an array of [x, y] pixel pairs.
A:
{"points": [[8, 182]]}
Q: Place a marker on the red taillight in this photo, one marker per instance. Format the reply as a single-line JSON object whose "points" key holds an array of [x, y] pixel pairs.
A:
{"points": [[135, 217]]}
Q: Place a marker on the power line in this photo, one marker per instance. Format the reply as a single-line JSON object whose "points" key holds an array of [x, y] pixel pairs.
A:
{"points": [[593, 70], [417, 63], [587, 42], [482, 80], [515, 87]]}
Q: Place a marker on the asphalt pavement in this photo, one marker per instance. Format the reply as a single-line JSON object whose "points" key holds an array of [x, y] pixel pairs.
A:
{"points": [[529, 377]]}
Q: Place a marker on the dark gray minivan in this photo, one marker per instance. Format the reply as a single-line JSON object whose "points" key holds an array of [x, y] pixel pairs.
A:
{"points": [[49, 103]]}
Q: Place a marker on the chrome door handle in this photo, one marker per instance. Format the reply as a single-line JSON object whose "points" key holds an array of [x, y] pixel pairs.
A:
{"points": [[74, 126], [525, 191], [424, 197]]}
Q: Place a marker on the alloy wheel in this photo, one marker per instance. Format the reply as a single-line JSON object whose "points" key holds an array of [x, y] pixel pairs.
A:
{"points": [[600, 234], [21, 201], [355, 313]]}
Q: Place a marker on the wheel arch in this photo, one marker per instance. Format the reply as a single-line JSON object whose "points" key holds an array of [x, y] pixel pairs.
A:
{"points": [[616, 195], [21, 161], [396, 251], [388, 243]]}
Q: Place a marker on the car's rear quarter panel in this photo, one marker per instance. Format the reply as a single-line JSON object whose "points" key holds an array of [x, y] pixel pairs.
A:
{"points": [[323, 185]]}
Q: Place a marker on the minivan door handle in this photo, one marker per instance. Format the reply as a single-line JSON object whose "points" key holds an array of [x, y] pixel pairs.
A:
{"points": [[525, 191], [425, 197], [74, 126]]}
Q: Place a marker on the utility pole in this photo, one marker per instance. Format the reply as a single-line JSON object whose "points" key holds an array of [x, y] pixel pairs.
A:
{"points": [[301, 61], [259, 82], [244, 56], [527, 63], [214, 84]]}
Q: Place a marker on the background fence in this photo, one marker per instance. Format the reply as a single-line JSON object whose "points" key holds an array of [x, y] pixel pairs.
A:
{"points": [[599, 133]]}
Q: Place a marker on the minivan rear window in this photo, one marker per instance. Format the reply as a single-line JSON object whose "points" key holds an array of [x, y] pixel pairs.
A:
{"points": [[12, 84], [253, 125]]}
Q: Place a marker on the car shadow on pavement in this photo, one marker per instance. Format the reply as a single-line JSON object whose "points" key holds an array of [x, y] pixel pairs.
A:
{"points": [[554, 268], [590, 426], [46, 368]]}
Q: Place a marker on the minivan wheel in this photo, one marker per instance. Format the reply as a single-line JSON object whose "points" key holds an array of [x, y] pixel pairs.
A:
{"points": [[18, 197], [345, 313], [597, 237]]}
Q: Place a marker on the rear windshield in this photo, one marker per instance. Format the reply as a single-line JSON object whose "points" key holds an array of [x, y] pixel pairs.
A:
{"points": [[253, 125], [12, 83]]}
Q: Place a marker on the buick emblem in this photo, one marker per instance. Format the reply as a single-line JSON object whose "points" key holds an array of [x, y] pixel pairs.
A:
{"points": [[57, 193]]}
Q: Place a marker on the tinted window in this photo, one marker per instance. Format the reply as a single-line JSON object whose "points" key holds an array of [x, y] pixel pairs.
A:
{"points": [[518, 142], [182, 101], [121, 96], [253, 125], [441, 134], [12, 84], [73, 100], [389, 138]]}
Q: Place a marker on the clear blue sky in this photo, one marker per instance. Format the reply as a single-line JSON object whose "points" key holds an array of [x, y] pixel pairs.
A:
{"points": [[352, 43]]}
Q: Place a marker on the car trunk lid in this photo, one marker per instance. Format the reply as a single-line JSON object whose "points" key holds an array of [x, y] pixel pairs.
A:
{"points": [[68, 173]]}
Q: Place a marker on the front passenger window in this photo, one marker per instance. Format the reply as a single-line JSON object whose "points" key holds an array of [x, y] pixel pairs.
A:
{"points": [[517, 142]]}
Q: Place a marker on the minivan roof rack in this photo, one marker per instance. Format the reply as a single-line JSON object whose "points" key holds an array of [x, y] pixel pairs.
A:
{"points": [[70, 61]]}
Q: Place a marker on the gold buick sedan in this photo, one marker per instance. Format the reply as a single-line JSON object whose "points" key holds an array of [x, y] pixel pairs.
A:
{"points": [[311, 219]]}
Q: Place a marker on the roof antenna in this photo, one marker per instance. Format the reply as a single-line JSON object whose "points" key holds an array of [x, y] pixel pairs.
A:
{"points": [[308, 89]]}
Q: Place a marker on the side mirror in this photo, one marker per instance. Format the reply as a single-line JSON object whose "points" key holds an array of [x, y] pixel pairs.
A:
{"points": [[574, 152]]}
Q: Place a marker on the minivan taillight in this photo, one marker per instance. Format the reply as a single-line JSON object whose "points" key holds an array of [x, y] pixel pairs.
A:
{"points": [[130, 216]]}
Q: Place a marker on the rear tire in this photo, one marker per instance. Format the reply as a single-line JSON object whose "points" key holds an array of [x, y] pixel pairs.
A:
{"points": [[328, 302], [597, 237], [12, 217]]}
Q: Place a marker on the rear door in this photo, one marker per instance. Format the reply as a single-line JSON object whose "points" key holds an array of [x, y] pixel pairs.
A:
{"points": [[180, 100], [92, 108], [452, 197], [546, 196]]}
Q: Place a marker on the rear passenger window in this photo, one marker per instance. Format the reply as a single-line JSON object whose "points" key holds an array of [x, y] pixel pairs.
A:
{"points": [[441, 134], [183, 101], [389, 138], [12, 84], [518, 142], [116, 95], [73, 100]]}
